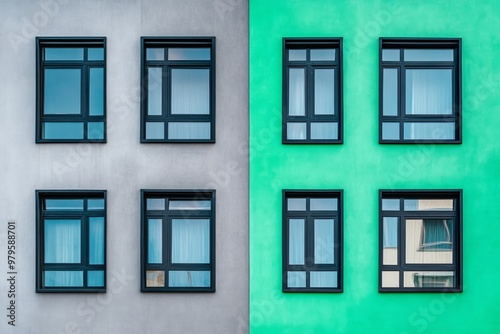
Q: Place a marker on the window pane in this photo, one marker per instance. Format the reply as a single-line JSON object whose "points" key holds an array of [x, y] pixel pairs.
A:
{"points": [[63, 278], [155, 54], [296, 204], [416, 234], [296, 279], [62, 89], [62, 241], [390, 92], [322, 54], [323, 204], [390, 240], [155, 237], [432, 131], [96, 93], [190, 91], [324, 241], [96, 53], [437, 235], [193, 279], [155, 204], [296, 130], [64, 54], [390, 131], [296, 55], [189, 54], [324, 91], [429, 279], [189, 205], [429, 92], [95, 278], [96, 240], [64, 204], [95, 204], [155, 278], [324, 130], [390, 204], [323, 279], [189, 130], [390, 279], [155, 130], [390, 54], [296, 92], [428, 54], [190, 240], [296, 240], [95, 130], [62, 130], [155, 95], [428, 204]]}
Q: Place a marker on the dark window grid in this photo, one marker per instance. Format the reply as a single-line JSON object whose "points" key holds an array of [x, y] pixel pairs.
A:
{"points": [[83, 216], [309, 66], [85, 66]]}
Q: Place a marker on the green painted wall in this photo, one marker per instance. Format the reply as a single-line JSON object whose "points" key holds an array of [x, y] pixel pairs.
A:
{"points": [[361, 167]]}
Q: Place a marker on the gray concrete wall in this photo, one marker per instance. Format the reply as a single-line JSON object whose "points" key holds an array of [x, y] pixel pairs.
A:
{"points": [[123, 166]]}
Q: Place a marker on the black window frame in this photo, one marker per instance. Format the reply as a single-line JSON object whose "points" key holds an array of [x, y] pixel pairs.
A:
{"points": [[401, 214], [401, 65], [41, 213], [309, 216], [310, 117], [85, 65], [166, 265], [166, 116]]}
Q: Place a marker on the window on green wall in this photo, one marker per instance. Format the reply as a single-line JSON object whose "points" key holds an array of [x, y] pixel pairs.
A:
{"points": [[420, 241], [420, 90], [312, 241], [312, 90]]}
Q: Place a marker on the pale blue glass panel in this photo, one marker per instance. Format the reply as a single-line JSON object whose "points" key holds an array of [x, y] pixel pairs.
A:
{"points": [[155, 204], [96, 240], [390, 231], [95, 130], [324, 204], [390, 204], [62, 240], [96, 92], [95, 53], [155, 237], [189, 54], [429, 92], [155, 130], [428, 204], [296, 279], [296, 204], [64, 54], [390, 98], [155, 54], [155, 95], [95, 204], [296, 55], [62, 130], [189, 279], [190, 240], [296, 241], [63, 278], [64, 204], [190, 91], [428, 54], [62, 89], [189, 205], [189, 130], [433, 131], [296, 130], [324, 91], [322, 54], [324, 241], [324, 130], [390, 55], [95, 278], [323, 279], [296, 92], [390, 131]]}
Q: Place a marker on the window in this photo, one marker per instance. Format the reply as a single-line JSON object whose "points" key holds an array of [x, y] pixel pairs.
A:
{"points": [[178, 240], [421, 241], [71, 90], [312, 90], [420, 91], [71, 241], [312, 241], [178, 80]]}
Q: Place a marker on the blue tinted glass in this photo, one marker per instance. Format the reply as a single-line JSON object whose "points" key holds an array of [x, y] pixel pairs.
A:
{"points": [[63, 130], [64, 54], [96, 240], [95, 278], [189, 130], [63, 278], [95, 204], [189, 279], [62, 240], [96, 92], [190, 91], [155, 130], [155, 241], [155, 204], [95, 130], [189, 54], [62, 89], [96, 53], [322, 54], [155, 54], [63, 204], [154, 90]]}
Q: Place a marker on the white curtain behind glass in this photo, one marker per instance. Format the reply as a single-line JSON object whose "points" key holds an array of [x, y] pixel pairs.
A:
{"points": [[96, 240], [62, 241], [429, 92], [191, 91], [190, 240], [296, 241]]}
